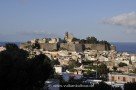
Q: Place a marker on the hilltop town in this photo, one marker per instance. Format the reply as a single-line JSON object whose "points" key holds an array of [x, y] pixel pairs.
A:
{"points": [[85, 58], [69, 43], [80, 56]]}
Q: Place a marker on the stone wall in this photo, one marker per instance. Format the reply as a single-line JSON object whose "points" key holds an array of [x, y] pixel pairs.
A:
{"points": [[49, 46], [71, 47], [98, 47], [79, 47], [112, 47]]}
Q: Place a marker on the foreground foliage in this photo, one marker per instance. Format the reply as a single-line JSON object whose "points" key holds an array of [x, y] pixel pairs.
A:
{"points": [[17, 72]]}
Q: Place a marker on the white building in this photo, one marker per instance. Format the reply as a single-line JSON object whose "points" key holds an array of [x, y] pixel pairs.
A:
{"points": [[2, 48], [133, 58], [58, 69], [63, 53]]}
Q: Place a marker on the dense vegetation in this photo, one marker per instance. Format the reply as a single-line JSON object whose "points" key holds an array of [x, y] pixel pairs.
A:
{"points": [[130, 86], [93, 40], [17, 72], [121, 64]]}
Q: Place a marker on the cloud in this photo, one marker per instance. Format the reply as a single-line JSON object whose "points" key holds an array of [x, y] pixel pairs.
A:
{"points": [[126, 20]]}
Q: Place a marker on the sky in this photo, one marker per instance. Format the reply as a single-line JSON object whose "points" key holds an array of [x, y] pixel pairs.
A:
{"points": [[111, 20]]}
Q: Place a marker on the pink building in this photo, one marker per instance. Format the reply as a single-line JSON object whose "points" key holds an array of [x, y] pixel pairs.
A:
{"points": [[122, 78]]}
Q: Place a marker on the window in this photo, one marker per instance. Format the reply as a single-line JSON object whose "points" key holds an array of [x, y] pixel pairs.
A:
{"points": [[124, 79], [112, 78], [133, 80]]}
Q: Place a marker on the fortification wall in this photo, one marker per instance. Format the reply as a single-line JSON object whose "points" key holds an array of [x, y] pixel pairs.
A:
{"points": [[112, 47], [79, 47], [49, 46], [71, 47], [98, 47]]}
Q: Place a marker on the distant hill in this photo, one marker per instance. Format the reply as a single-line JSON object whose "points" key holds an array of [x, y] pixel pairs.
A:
{"points": [[3, 43]]}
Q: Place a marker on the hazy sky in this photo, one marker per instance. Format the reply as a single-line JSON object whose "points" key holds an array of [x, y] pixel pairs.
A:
{"points": [[111, 20]]}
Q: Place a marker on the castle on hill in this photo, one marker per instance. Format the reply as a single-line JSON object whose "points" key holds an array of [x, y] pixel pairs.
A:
{"points": [[69, 43]]}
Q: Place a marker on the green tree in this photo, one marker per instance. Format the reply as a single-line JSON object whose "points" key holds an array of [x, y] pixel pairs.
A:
{"points": [[91, 40], [133, 71], [102, 71], [114, 68], [36, 45], [55, 62], [82, 41], [121, 64], [75, 39], [72, 64], [11, 46], [17, 72], [130, 86]]}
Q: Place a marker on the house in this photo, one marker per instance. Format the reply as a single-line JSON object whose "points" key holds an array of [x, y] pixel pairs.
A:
{"points": [[133, 58], [2, 48], [122, 78], [58, 69]]}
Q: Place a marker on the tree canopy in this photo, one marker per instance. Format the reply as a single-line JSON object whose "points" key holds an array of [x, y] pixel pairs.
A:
{"points": [[91, 40], [121, 64], [17, 72]]}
